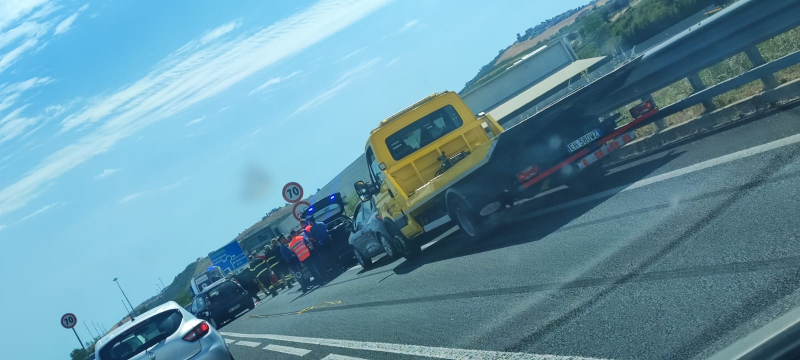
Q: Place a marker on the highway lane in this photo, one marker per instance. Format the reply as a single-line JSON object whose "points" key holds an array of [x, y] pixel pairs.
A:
{"points": [[673, 255]]}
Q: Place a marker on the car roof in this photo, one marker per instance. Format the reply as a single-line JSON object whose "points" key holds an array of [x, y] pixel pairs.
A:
{"points": [[170, 305]]}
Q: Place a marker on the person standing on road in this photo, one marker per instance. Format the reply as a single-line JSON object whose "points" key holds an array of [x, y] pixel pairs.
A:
{"points": [[317, 248], [277, 263], [319, 231], [292, 262], [299, 246]]}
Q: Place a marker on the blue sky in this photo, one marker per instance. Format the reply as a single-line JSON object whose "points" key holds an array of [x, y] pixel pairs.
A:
{"points": [[137, 136]]}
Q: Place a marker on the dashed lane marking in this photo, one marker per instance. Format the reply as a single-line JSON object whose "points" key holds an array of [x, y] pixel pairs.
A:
{"points": [[287, 350], [341, 357], [251, 344], [412, 350], [229, 341]]}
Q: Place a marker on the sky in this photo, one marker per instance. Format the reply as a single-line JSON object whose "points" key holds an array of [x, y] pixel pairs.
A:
{"points": [[138, 136]]}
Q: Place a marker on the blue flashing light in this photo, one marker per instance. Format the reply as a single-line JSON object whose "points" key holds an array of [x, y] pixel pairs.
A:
{"points": [[333, 197]]}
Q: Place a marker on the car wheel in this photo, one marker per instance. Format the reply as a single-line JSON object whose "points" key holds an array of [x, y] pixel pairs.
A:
{"points": [[467, 219], [387, 245], [365, 262], [405, 247]]}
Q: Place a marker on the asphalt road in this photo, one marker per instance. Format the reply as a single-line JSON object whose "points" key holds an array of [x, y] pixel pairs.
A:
{"points": [[673, 255]]}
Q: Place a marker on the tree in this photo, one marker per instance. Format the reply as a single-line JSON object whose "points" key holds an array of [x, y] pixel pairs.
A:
{"points": [[79, 354]]}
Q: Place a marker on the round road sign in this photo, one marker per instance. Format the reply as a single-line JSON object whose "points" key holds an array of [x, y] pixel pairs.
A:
{"points": [[69, 320], [292, 192], [299, 208]]}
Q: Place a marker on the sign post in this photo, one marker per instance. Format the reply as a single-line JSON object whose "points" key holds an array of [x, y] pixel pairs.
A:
{"points": [[68, 321], [292, 192]]}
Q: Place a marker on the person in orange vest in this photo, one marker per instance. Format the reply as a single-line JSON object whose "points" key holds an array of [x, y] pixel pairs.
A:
{"points": [[299, 246]]}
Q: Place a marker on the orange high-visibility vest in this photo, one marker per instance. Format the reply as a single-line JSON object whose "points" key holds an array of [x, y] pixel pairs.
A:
{"points": [[308, 232], [298, 246]]}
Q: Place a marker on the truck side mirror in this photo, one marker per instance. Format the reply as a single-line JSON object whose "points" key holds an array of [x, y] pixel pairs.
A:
{"points": [[363, 190]]}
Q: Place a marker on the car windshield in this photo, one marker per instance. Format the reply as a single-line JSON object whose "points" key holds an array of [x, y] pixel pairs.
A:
{"points": [[144, 335], [517, 179]]}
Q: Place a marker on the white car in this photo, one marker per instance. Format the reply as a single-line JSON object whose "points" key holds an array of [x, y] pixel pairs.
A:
{"points": [[166, 332]]}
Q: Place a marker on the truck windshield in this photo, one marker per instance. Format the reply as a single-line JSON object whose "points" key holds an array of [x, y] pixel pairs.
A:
{"points": [[423, 132]]}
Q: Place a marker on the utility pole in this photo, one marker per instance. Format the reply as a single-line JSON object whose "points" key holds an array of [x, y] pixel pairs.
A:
{"points": [[126, 309], [162, 283], [126, 296], [87, 329], [95, 328]]}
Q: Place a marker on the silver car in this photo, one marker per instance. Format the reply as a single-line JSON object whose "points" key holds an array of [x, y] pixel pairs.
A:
{"points": [[166, 332], [369, 236]]}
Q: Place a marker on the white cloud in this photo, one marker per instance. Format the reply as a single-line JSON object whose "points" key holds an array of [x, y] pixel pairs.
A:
{"points": [[131, 197], [218, 32], [174, 185], [321, 98], [12, 92], [13, 125], [106, 173], [195, 121], [185, 78], [353, 53], [10, 57], [391, 62], [64, 25], [360, 70], [28, 29], [38, 212], [11, 11], [274, 81], [344, 80], [408, 25]]}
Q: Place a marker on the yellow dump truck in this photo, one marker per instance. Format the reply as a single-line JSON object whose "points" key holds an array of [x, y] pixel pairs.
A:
{"points": [[435, 162]]}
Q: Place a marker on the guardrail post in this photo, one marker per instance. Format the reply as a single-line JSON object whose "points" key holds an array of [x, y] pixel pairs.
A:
{"points": [[697, 85], [755, 57]]}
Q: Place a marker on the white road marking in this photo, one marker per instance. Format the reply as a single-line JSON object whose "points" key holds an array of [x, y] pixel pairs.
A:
{"points": [[287, 350], [229, 341], [251, 344], [413, 350], [341, 357], [670, 175]]}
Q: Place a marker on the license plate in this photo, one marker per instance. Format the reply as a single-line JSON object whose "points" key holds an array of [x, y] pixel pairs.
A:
{"points": [[583, 140], [234, 308]]}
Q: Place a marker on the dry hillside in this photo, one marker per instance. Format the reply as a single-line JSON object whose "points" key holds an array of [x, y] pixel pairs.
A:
{"points": [[525, 45]]}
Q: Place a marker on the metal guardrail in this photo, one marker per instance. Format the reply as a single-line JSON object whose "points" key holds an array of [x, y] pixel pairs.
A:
{"points": [[728, 85], [736, 29]]}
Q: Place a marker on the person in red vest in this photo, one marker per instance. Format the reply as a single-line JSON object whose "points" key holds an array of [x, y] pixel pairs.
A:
{"points": [[299, 246]]}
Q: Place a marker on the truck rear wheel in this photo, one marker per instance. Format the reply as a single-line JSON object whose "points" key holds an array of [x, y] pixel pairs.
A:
{"points": [[465, 216], [406, 247]]}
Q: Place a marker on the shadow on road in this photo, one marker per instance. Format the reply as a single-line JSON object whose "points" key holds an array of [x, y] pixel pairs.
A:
{"points": [[511, 233]]}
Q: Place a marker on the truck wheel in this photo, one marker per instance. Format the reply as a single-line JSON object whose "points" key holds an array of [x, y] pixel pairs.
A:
{"points": [[363, 261], [405, 247], [467, 218]]}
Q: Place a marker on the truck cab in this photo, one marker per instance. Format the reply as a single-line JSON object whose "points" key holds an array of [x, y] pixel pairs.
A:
{"points": [[415, 155]]}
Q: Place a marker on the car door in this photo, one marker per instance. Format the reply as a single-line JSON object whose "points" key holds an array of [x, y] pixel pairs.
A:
{"points": [[358, 238]]}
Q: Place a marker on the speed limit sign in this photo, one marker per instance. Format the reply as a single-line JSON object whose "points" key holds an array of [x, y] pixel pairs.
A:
{"points": [[299, 208], [292, 192], [69, 320]]}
